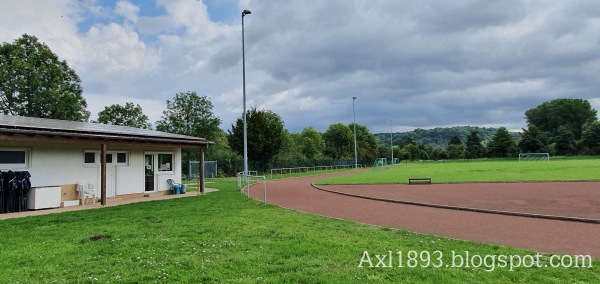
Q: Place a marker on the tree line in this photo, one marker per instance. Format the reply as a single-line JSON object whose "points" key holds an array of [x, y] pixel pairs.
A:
{"points": [[34, 82], [563, 127]]}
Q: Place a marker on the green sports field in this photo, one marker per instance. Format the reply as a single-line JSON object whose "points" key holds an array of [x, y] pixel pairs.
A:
{"points": [[480, 171]]}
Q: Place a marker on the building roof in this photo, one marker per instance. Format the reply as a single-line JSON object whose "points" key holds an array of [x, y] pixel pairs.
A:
{"points": [[44, 127]]}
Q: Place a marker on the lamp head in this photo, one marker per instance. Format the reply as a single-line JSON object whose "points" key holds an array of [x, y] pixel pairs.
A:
{"points": [[354, 98], [246, 12]]}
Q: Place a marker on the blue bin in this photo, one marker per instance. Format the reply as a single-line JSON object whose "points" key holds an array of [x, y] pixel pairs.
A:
{"points": [[183, 188], [177, 189]]}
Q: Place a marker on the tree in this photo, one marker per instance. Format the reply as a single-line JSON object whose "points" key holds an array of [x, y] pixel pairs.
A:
{"points": [[411, 152], [291, 148], [35, 83], [128, 115], [575, 114], [190, 114], [565, 141], [220, 151], [265, 135], [339, 141], [474, 149], [366, 146], [455, 148], [502, 144], [312, 142], [383, 151], [455, 151], [591, 138], [533, 141], [455, 140], [397, 153]]}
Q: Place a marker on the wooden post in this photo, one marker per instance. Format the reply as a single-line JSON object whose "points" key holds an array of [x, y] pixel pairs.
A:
{"points": [[103, 174], [201, 172]]}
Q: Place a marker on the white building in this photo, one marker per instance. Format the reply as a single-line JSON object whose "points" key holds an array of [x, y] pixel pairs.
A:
{"points": [[65, 153]]}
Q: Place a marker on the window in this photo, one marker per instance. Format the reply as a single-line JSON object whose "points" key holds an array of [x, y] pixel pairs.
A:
{"points": [[109, 158], [14, 158], [165, 162], [121, 158], [89, 158]]}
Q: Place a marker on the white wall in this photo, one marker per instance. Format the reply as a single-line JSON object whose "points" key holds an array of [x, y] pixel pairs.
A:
{"points": [[53, 164]]}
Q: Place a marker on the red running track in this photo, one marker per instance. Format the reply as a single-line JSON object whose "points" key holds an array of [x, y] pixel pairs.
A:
{"points": [[547, 236]]}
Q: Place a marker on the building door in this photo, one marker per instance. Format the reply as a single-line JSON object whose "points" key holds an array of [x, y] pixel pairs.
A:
{"points": [[111, 180], [150, 185]]}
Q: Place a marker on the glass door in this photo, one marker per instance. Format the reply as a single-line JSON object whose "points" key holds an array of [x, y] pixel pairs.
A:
{"points": [[149, 172]]}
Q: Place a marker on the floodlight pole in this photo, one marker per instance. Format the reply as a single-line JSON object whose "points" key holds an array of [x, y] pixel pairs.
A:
{"points": [[354, 115], [391, 142], [244, 13]]}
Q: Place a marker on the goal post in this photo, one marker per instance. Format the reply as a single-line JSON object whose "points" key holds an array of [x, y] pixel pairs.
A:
{"points": [[534, 157], [380, 164]]}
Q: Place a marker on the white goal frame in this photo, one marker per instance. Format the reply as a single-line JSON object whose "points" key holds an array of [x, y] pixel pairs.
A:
{"points": [[534, 157]]}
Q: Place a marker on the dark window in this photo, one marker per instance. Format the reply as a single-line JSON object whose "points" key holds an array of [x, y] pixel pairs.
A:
{"points": [[13, 157], [165, 162], [89, 158], [121, 158], [108, 158]]}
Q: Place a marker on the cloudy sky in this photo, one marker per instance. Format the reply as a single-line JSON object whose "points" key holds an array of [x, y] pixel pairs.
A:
{"points": [[420, 64]]}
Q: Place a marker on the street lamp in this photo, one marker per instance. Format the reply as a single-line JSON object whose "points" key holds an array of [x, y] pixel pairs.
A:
{"points": [[391, 142], [244, 13], [354, 115]]}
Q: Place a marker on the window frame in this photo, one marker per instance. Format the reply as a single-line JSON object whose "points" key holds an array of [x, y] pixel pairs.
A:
{"points": [[10, 166], [158, 162]]}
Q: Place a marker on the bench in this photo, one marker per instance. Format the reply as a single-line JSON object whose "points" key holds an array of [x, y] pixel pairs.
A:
{"points": [[419, 180]]}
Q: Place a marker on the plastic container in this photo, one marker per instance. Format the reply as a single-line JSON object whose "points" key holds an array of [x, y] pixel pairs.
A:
{"points": [[177, 189], [183, 188]]}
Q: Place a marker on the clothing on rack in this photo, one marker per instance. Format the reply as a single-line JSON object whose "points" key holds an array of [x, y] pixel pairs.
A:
{"points": [[14, 187]]}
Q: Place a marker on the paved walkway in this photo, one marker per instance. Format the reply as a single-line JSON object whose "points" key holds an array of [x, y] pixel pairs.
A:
{"points": [[110, 203], [547, 236]]}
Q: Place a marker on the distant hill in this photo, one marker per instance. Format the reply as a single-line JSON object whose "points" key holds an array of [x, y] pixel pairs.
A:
{"points": [[438, 137]]}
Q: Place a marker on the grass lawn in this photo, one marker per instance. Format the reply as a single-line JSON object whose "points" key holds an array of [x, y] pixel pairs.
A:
{"points": [[223, 237], [480, 171]]}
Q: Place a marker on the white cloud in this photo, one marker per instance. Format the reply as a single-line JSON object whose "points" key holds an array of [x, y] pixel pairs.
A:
{"points": [[127, 10]]}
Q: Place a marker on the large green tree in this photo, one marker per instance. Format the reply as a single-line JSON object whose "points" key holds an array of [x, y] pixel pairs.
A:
{"points": [[366, 145], [455, 149], [590, 139], [291, 148], [190, 114], [565, 142], [502, 144], [533, 141], [265, 135], [312, 141], [572, 113], [339, 141], [127, 115], [474, 148], [35, 83]]}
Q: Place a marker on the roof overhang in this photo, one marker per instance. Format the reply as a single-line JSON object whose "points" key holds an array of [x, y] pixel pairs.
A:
{"points": [[56, 131]]}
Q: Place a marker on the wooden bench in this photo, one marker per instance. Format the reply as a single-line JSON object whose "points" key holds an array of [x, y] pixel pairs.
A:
{"points": [[419, 180]]}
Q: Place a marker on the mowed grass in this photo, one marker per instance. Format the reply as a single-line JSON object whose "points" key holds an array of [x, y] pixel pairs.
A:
{"points": [[480, 171], [224, 237]]}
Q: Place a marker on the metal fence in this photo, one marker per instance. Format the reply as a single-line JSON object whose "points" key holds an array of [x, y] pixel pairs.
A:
{"points": [[210, 169]]}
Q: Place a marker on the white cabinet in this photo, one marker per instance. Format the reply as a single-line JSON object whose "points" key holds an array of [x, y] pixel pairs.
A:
{"points": [[43, 197]]}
